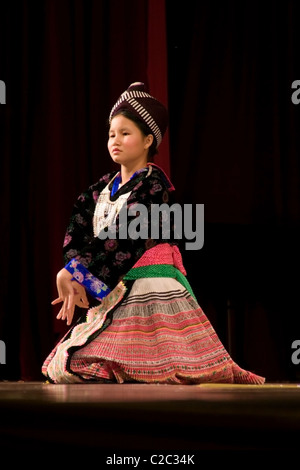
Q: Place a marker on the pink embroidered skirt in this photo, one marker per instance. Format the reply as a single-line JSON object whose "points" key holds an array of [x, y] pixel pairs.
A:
{"points": [[155, 332]]}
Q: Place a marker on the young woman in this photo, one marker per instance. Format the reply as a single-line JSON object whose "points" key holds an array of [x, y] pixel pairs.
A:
{"points": [[143, 323]]}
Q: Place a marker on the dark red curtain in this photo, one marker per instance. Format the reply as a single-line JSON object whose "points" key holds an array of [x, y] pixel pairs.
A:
{"points": [[64, 64], [235, 147], [225, 71]]}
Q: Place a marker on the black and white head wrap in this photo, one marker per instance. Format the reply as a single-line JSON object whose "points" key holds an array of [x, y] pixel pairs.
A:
{"points": [[144, 106]]}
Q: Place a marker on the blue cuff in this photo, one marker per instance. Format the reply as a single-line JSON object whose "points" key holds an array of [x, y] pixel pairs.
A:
{"points": [[83, 276]]}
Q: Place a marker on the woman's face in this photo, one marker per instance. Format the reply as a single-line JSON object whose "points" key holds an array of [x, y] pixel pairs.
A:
{"points": [[126, 144]]}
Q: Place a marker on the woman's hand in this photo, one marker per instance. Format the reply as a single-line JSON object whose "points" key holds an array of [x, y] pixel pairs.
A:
{"points": [[71, 293]]}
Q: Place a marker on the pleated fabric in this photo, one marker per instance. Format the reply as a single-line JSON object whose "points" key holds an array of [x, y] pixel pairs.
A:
{"points": [[153, 332]]}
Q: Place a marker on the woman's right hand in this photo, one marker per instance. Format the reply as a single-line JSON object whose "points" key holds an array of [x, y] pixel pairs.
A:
{"points": [[71, 294]]}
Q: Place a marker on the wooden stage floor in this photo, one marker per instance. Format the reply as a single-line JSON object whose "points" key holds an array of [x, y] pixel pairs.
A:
{"points": [[119, 419]]}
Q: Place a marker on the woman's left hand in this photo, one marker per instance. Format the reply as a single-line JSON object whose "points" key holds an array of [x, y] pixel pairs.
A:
{"points": [[71, 293]]}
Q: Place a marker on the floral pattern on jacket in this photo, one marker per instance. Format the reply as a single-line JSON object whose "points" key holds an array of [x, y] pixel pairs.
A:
{"points": [[110, 259]]}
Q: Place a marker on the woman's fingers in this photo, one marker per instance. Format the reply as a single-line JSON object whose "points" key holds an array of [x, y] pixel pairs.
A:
{"points": [[70, 293], [80, 295], [67, 310], [82, 302], [70, 314], [70, 300], [85, 303]]}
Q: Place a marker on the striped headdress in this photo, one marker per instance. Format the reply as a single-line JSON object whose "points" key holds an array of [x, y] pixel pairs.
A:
{"points": [[144, 106]]}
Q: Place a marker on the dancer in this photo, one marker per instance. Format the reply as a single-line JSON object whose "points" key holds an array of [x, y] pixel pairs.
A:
{"points": [[142, 322]]}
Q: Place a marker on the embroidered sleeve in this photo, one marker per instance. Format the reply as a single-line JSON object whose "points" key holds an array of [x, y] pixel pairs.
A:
{"points": [[93, 285]]}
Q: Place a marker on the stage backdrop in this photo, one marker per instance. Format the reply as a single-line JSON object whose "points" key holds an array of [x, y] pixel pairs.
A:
{"points": [[64, 64], [235, 147], [225, 71]]}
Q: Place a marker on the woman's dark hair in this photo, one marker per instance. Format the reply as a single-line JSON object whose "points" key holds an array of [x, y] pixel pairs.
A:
{"points": [[145, 130]]}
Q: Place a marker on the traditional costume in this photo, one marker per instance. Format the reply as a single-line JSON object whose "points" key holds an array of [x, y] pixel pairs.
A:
{"points": [[146, 324]]}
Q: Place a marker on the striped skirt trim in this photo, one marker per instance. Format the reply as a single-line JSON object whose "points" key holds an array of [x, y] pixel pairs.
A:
{"points": [[154, 332]]}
